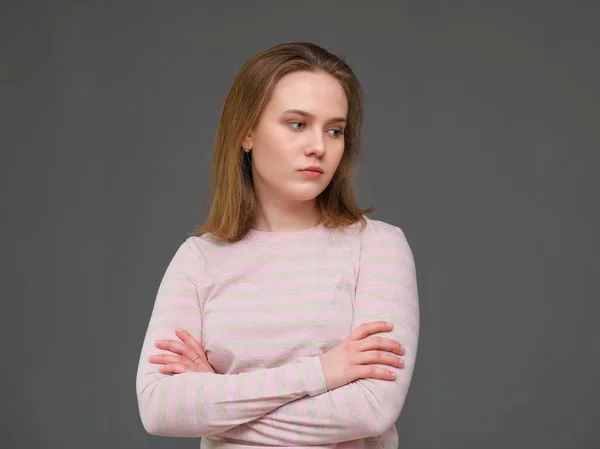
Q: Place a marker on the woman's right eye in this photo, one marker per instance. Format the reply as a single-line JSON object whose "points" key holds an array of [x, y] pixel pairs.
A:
{"points": [[297, 123]]}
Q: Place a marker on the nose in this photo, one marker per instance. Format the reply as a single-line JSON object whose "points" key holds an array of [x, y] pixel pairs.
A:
{"points": [[316, 147]]}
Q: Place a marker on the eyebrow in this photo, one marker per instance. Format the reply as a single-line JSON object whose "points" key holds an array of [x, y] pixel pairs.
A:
{"points": [[308, 114]]}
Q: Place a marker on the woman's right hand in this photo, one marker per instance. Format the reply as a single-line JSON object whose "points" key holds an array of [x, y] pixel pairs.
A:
{"points": [[354, 357]]}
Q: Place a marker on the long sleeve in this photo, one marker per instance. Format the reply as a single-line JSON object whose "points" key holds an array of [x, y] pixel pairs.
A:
{"points": [[386, 290], [204, 404]]}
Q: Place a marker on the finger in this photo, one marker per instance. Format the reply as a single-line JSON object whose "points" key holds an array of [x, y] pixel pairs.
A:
{"points": [[380, 358], [375, 372], [366, 329], [175, 346], [164, 359], [191, 342], [201, 366], [196, 367], [176, 368], [381, 343]]}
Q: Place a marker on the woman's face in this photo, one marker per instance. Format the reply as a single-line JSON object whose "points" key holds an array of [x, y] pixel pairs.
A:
{"points": [[301, 126]]}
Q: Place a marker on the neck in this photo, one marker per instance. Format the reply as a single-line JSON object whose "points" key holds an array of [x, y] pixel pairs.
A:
{"points": [[276, 216]]}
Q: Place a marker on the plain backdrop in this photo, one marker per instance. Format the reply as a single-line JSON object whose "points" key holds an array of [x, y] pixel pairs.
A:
{"points": [[480, 141]]}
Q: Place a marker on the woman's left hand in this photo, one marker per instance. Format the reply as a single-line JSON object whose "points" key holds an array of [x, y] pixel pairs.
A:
{"points": [[187, 356]]}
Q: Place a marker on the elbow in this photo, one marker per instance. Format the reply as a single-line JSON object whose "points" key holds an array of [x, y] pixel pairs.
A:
{"points": [[382, 410], [146, 397], [387, 422], [150, 426], [152, 414], [378, 425], [157, 421], [154, 428], [151, 421], [154, 422]]}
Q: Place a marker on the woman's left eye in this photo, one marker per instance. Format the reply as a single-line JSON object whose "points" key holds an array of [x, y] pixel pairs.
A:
{"points": [[302, 125]]}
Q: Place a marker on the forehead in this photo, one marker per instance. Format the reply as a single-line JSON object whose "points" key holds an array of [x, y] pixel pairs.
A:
{"points": [[318, 93]]}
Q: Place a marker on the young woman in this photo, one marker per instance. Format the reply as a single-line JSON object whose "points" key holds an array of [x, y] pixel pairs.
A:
{"points": [[281, 321]]}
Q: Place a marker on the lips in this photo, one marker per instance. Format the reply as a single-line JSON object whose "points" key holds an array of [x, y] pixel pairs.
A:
{"points": [[313, 169]]}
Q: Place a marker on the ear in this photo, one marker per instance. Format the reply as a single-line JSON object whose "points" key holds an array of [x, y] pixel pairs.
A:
{"points": [[247, 142]]}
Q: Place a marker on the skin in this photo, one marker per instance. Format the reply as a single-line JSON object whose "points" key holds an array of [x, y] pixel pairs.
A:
{"points": [[302, 125], [283, 143]]}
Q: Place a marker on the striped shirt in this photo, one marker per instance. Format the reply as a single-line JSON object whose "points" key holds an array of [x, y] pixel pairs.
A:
{"points": [[264, 309]]}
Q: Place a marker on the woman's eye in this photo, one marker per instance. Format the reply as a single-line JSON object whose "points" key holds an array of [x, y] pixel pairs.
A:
{"points": [[302, 125]]}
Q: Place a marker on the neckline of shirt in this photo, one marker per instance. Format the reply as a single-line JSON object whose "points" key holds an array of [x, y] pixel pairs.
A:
{"points": [[269, 235]]}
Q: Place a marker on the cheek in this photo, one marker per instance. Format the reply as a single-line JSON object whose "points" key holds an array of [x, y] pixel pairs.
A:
{"points": [[272, 143], [273, 151], [336, 153]]}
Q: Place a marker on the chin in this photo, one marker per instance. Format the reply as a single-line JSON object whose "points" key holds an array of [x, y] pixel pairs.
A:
{"points": [[304, 194]]}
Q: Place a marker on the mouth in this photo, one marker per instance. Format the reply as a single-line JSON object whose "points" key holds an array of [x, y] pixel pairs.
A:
{"points": [[311, 174], [312, 169]]}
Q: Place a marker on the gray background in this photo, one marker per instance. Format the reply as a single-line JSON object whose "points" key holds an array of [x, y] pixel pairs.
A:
{"points": [[481, 142]]}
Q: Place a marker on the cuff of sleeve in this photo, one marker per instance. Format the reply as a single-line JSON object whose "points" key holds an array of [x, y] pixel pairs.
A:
{"points": [[315, 378]]}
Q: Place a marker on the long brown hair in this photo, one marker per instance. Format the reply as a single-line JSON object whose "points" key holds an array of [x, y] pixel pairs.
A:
{"points": [[230, 183]]}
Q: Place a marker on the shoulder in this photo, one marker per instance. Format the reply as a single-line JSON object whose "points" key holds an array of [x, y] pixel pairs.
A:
{"points": [[380, 231], [194, 249], [381, 227], [204, 242], [386, 246], [385, 238]]}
